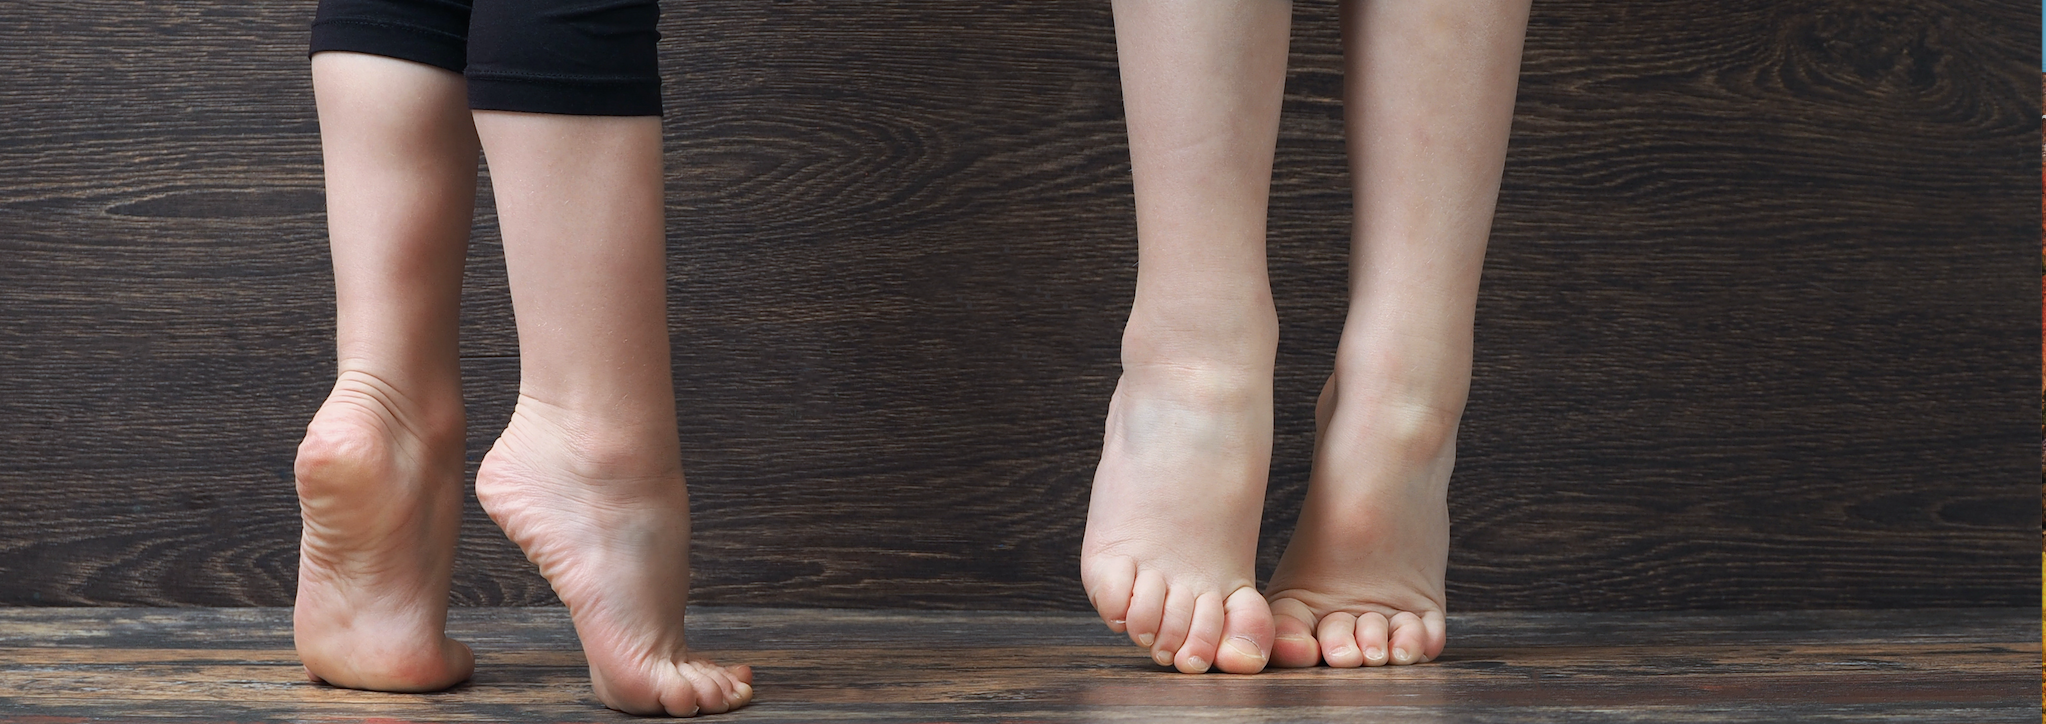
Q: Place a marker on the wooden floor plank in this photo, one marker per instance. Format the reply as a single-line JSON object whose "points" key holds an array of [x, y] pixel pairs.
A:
{"points": [[821, 665]]}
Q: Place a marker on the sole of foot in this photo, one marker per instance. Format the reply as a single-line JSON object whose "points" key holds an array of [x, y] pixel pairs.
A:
{"points": [[606, 519], [1172, 523], [380, 495], [1361, 582]]}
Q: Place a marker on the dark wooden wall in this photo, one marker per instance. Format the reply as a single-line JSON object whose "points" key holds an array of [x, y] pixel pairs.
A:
{"points": [[1754, 332]]}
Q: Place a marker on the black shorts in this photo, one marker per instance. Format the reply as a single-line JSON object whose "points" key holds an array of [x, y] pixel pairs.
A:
{"points": [[575, 57]]}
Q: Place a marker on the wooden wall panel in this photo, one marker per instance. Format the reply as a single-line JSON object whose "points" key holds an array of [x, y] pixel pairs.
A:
{"points": [[1753, 331]]}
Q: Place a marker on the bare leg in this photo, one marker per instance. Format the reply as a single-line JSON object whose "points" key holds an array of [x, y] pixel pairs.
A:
{"points": [[587, 478], [380, 470], [1172, 526], [1428, 100]]}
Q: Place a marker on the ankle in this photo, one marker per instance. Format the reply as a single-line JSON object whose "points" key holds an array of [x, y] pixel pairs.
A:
{"points": [[1398, 414], [615, 444], [1418, 371], [430, 413], [1231, 334]]}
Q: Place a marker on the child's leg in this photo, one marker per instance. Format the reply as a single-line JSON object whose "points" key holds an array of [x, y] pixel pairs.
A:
{"points": [[588, 476], [380, 471], [1428, 97], [1172, 526]]}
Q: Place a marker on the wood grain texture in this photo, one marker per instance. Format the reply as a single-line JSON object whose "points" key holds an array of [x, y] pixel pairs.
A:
{"points": [[822, 665], [1748, 336]]}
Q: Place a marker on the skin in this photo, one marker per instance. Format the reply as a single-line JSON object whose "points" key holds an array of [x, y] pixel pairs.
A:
{"points": [[1429, 92], [1170, 550], [380, 470], [587, 477]]}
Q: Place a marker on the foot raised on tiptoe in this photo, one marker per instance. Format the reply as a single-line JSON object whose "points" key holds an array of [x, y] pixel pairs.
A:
{"points": [[1172, 524], [600, 506], [380, 492], [1361, 582]]}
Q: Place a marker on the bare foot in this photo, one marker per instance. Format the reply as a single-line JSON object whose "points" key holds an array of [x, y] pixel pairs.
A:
{"points": [[1361, 581], [604, 513], [1171, 544], [380, 490]]}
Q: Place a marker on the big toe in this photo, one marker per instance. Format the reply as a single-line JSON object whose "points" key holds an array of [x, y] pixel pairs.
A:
{"points": [[1295, 646], [1247, 633], [712, 690]]}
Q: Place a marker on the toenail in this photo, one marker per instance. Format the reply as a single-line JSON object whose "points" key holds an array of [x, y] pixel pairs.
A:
{"points": [[1295, 637], [1374, 653], [1399, 655], [1197, 663], [1163, 658], [1246, 647], [1145, 640], [1339, 651]]}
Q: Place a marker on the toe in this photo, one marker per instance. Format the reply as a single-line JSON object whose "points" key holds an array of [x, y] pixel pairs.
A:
{"points": [[742, 684], [728, 689], [1147, 609], [1294, 646], [1435, 630], [727, 693], [1179, 609], [1247, 630], [1338, 636], [1203, 635], [696, 693], [732, 693], [1109, 584], [1407, 639], [1371, 637]]}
